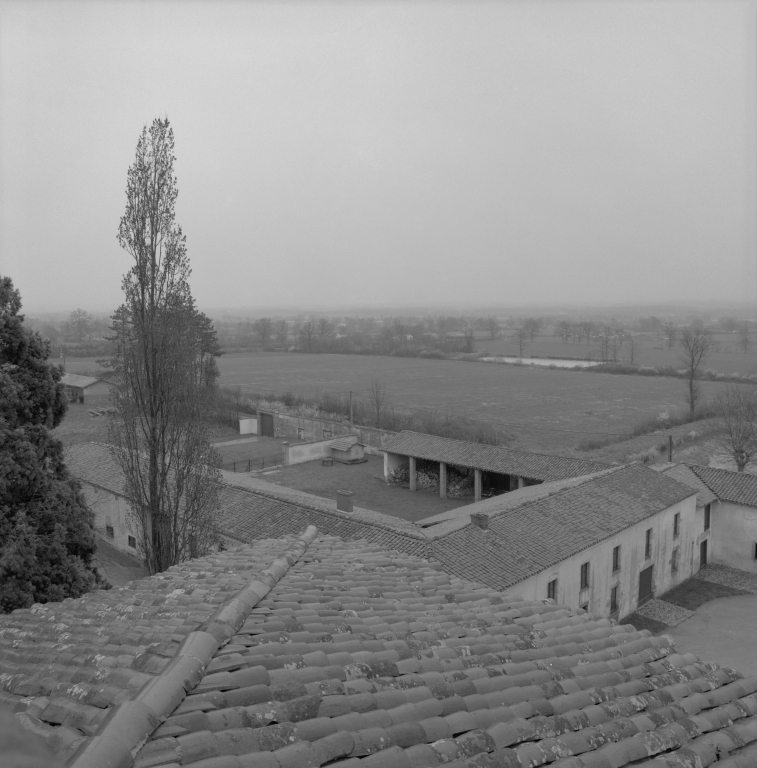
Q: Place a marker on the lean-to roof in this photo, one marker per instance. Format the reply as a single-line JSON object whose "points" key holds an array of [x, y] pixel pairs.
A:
{"points": [[490, 458]]}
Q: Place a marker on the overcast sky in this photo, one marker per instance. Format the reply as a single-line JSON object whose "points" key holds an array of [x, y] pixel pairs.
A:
{"points": [[365, 153]]}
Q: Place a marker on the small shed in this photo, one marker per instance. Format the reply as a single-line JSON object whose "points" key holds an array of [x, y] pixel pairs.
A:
{"points": [[85, 389], [347, 450]]}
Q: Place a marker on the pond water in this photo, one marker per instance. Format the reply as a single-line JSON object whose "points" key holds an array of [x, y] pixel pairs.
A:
{"points": [[542, 361]]}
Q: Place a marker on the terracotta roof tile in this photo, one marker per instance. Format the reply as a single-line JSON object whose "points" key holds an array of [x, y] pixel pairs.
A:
{"points": [[737, 487], [685, 474], [525, 539], [362, 657], [492, 458]]}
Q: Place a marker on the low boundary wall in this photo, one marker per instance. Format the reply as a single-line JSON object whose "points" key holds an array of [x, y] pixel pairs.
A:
{"points": [[299, 429]]}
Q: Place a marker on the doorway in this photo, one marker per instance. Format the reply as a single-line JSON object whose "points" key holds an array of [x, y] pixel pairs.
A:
{"points": [[645, 585]]}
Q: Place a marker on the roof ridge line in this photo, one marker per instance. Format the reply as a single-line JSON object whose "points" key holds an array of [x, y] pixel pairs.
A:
{"points": [[126, 729], [506, 448]]}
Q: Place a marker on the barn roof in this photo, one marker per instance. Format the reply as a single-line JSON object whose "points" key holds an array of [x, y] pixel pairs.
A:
{"points": [[344, 653], [737, 487], [75, 380], [491, 458]]}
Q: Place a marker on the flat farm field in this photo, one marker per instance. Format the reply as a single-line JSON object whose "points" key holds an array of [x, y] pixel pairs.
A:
{"points": [[545, 410]]}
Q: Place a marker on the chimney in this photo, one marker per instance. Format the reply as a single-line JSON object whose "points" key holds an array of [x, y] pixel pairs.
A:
{"points": [[480, 520]]}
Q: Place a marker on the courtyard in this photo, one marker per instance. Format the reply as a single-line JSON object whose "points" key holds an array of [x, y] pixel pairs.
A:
{"points": [[366, 482]]}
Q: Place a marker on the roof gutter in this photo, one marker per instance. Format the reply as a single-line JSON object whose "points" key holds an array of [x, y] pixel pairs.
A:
{"points": [[125, 730]]}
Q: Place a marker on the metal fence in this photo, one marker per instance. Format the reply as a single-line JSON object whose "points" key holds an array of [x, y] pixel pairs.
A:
{"points": [[254, 463]]}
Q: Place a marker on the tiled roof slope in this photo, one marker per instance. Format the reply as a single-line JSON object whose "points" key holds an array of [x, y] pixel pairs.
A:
{"points": [[738, 487], [66, 667], [525, 540], [491, 458], [686, 475], [363, 658], [253, 509], [504, 502]]}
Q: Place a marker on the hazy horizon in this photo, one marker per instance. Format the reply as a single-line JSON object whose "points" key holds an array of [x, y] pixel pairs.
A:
{"points": [[455, 154]]}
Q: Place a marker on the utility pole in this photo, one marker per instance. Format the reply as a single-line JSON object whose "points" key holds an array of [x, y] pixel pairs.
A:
{"points": [[351, 409]]}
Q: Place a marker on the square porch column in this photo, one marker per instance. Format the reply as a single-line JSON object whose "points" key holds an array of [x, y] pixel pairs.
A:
{"points": [[477, 485], [411, 466], [442, 480]]}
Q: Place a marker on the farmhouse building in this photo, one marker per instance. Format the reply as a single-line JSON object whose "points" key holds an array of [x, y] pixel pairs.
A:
{"points": [[85, 389], [495, 470], [532, 542], [607, 542], [731, 517], [309, 650]]}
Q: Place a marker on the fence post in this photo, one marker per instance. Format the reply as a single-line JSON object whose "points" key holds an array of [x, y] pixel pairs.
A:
{"points": [[248, 464], [235, 466]]}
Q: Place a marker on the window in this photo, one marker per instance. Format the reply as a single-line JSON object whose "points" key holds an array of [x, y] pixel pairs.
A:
{"points": [[300, 433], [552, 589], [707, 517], [327, 434], [132, 542], [585, 576], [616, 559], [677, 524], [674, 561], [614, 600], [648, 545], [109, 531]]}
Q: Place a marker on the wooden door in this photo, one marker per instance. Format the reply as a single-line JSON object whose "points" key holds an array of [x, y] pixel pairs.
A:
{"points": [[703, 554], [266, 424], [645, 585]]}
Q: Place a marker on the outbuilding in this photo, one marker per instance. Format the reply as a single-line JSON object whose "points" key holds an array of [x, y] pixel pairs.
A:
{"points": [[85, 389], [347, 450], [494, 469]]}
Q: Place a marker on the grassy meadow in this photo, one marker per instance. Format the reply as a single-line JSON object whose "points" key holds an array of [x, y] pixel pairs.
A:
{"points": [[544, 410]]}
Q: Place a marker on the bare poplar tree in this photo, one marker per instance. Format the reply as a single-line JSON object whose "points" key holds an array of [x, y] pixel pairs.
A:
{"points": [[695, 345], [164, 365], [737, 411], [377, 398]]}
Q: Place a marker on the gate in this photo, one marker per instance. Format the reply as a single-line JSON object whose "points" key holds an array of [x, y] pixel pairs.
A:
{"points": [[645, 585], [266, 425]]}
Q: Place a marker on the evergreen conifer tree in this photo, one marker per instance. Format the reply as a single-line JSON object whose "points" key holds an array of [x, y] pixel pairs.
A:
{"points": [[47, 540]]}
